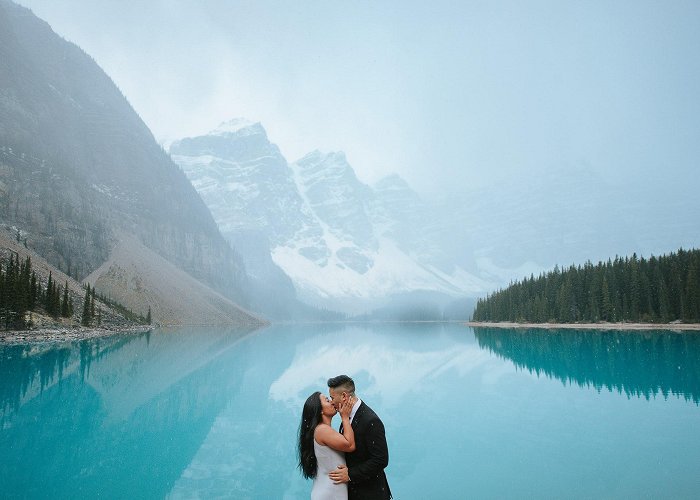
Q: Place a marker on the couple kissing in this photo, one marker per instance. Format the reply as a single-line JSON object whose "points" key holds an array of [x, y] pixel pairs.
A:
{"points": [[348, 463]]}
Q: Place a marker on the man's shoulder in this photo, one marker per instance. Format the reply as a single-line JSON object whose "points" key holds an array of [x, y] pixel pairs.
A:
{"points": [[367, 412]]}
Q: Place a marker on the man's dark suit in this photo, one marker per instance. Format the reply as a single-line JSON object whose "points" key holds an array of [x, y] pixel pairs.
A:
{"points": [[366, 464]]}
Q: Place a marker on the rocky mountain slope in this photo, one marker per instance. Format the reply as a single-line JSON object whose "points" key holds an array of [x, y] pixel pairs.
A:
{"points": [[78, 167], [140, 279]]}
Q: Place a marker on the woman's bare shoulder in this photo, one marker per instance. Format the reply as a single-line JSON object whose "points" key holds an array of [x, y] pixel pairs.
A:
{"points": [[321, 431]]}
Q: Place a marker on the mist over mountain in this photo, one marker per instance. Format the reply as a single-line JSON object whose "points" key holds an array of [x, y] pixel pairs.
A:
{"points": [[79, 169], [345, 245], [355, 247], [78, 166], [531, 223]]}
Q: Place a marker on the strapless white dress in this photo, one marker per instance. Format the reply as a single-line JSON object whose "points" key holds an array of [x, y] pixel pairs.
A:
{"points": [[328, 459]]}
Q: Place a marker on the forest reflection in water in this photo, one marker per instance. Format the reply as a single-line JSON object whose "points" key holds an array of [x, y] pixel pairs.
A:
{"points": [[636, 363], [117, 416], [29, 369]]}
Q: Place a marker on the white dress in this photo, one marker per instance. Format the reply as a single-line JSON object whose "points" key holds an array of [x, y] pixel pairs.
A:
{"points": [[328, 459]]}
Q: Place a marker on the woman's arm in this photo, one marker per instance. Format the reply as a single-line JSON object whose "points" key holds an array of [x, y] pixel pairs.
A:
{"points": [[326, 435]]}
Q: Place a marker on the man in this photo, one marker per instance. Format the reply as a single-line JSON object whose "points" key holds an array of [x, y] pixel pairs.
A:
{"points": [[364, 472]]}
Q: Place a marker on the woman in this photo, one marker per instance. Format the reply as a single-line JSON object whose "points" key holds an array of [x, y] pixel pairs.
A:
{"points": [[322, 448]]}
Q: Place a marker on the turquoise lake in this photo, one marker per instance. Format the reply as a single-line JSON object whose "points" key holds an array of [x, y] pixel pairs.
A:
{"points": [[469, 413]]}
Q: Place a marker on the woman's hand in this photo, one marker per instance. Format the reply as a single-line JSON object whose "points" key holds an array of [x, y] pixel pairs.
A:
{"points": [[345, 408]]}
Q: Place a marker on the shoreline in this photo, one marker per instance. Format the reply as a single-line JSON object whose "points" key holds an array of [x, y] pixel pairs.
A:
{"points": [[66, 334], [589, 326]]}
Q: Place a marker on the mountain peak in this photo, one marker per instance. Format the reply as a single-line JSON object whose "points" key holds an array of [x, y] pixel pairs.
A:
{"points": [[238, 126]]}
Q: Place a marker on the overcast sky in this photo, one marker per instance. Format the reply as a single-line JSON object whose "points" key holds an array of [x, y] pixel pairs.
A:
{"points": [[447, 94]]}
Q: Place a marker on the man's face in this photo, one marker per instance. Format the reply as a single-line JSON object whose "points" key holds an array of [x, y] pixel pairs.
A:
{"points": [[337, 397]]}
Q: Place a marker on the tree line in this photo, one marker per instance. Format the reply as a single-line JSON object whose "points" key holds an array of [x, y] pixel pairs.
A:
{"points": [[22, 292], [631, 289]]}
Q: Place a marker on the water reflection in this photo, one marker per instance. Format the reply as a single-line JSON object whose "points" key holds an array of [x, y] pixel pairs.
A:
{"points": [[641, 364], [214, 413], [385, 367], [121, 416]]}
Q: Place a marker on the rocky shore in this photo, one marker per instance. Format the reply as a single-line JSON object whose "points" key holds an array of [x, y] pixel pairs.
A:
{"points": [[65, 334], [674, 326]]}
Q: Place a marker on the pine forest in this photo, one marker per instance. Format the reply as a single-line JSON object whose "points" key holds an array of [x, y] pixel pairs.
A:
{"points": [[631, 289]]}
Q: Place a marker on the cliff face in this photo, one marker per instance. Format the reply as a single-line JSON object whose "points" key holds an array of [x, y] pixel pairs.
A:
{"points": [[78, 166]]}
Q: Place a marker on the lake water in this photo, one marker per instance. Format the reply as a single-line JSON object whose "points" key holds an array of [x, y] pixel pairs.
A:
{"points": [[469, 413]]}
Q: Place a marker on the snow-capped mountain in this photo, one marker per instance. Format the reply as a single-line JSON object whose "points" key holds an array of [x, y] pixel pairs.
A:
{"points": [[348, 245], [244, 180], [343, 243]]}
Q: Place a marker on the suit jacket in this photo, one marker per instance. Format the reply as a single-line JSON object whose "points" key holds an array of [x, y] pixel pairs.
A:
{"points": [[366, 464]]}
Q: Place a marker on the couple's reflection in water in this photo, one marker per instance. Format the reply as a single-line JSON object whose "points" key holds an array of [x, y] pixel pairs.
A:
{"points": [[642, 364]]}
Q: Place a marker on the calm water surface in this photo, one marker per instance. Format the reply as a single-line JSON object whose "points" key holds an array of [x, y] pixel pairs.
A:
{"points": [[469, 413]]}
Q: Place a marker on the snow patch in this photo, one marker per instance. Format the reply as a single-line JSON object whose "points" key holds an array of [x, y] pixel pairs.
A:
{"points": [[392, 272]]}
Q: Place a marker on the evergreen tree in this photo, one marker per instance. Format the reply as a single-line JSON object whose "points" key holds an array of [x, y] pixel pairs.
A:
{"points": [[692, 302], [86, 308], [24, 286], [607, 308], [634, 289], [2, 290], [56, 305], [65, 308], [48, 300], [92, 304], [33, 292]]}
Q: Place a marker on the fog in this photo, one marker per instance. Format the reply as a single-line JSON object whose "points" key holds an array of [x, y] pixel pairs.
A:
{"points": [[534, 135], [451, 96]]}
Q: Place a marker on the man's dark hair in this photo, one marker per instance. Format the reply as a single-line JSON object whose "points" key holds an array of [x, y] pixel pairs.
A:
{"points": [[342, 382]]}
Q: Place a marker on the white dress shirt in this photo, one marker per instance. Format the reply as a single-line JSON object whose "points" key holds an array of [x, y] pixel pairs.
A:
{"points": [[354, 408]]}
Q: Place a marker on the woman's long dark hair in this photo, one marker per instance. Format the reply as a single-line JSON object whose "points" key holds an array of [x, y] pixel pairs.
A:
{"points": [[310, 418]]}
